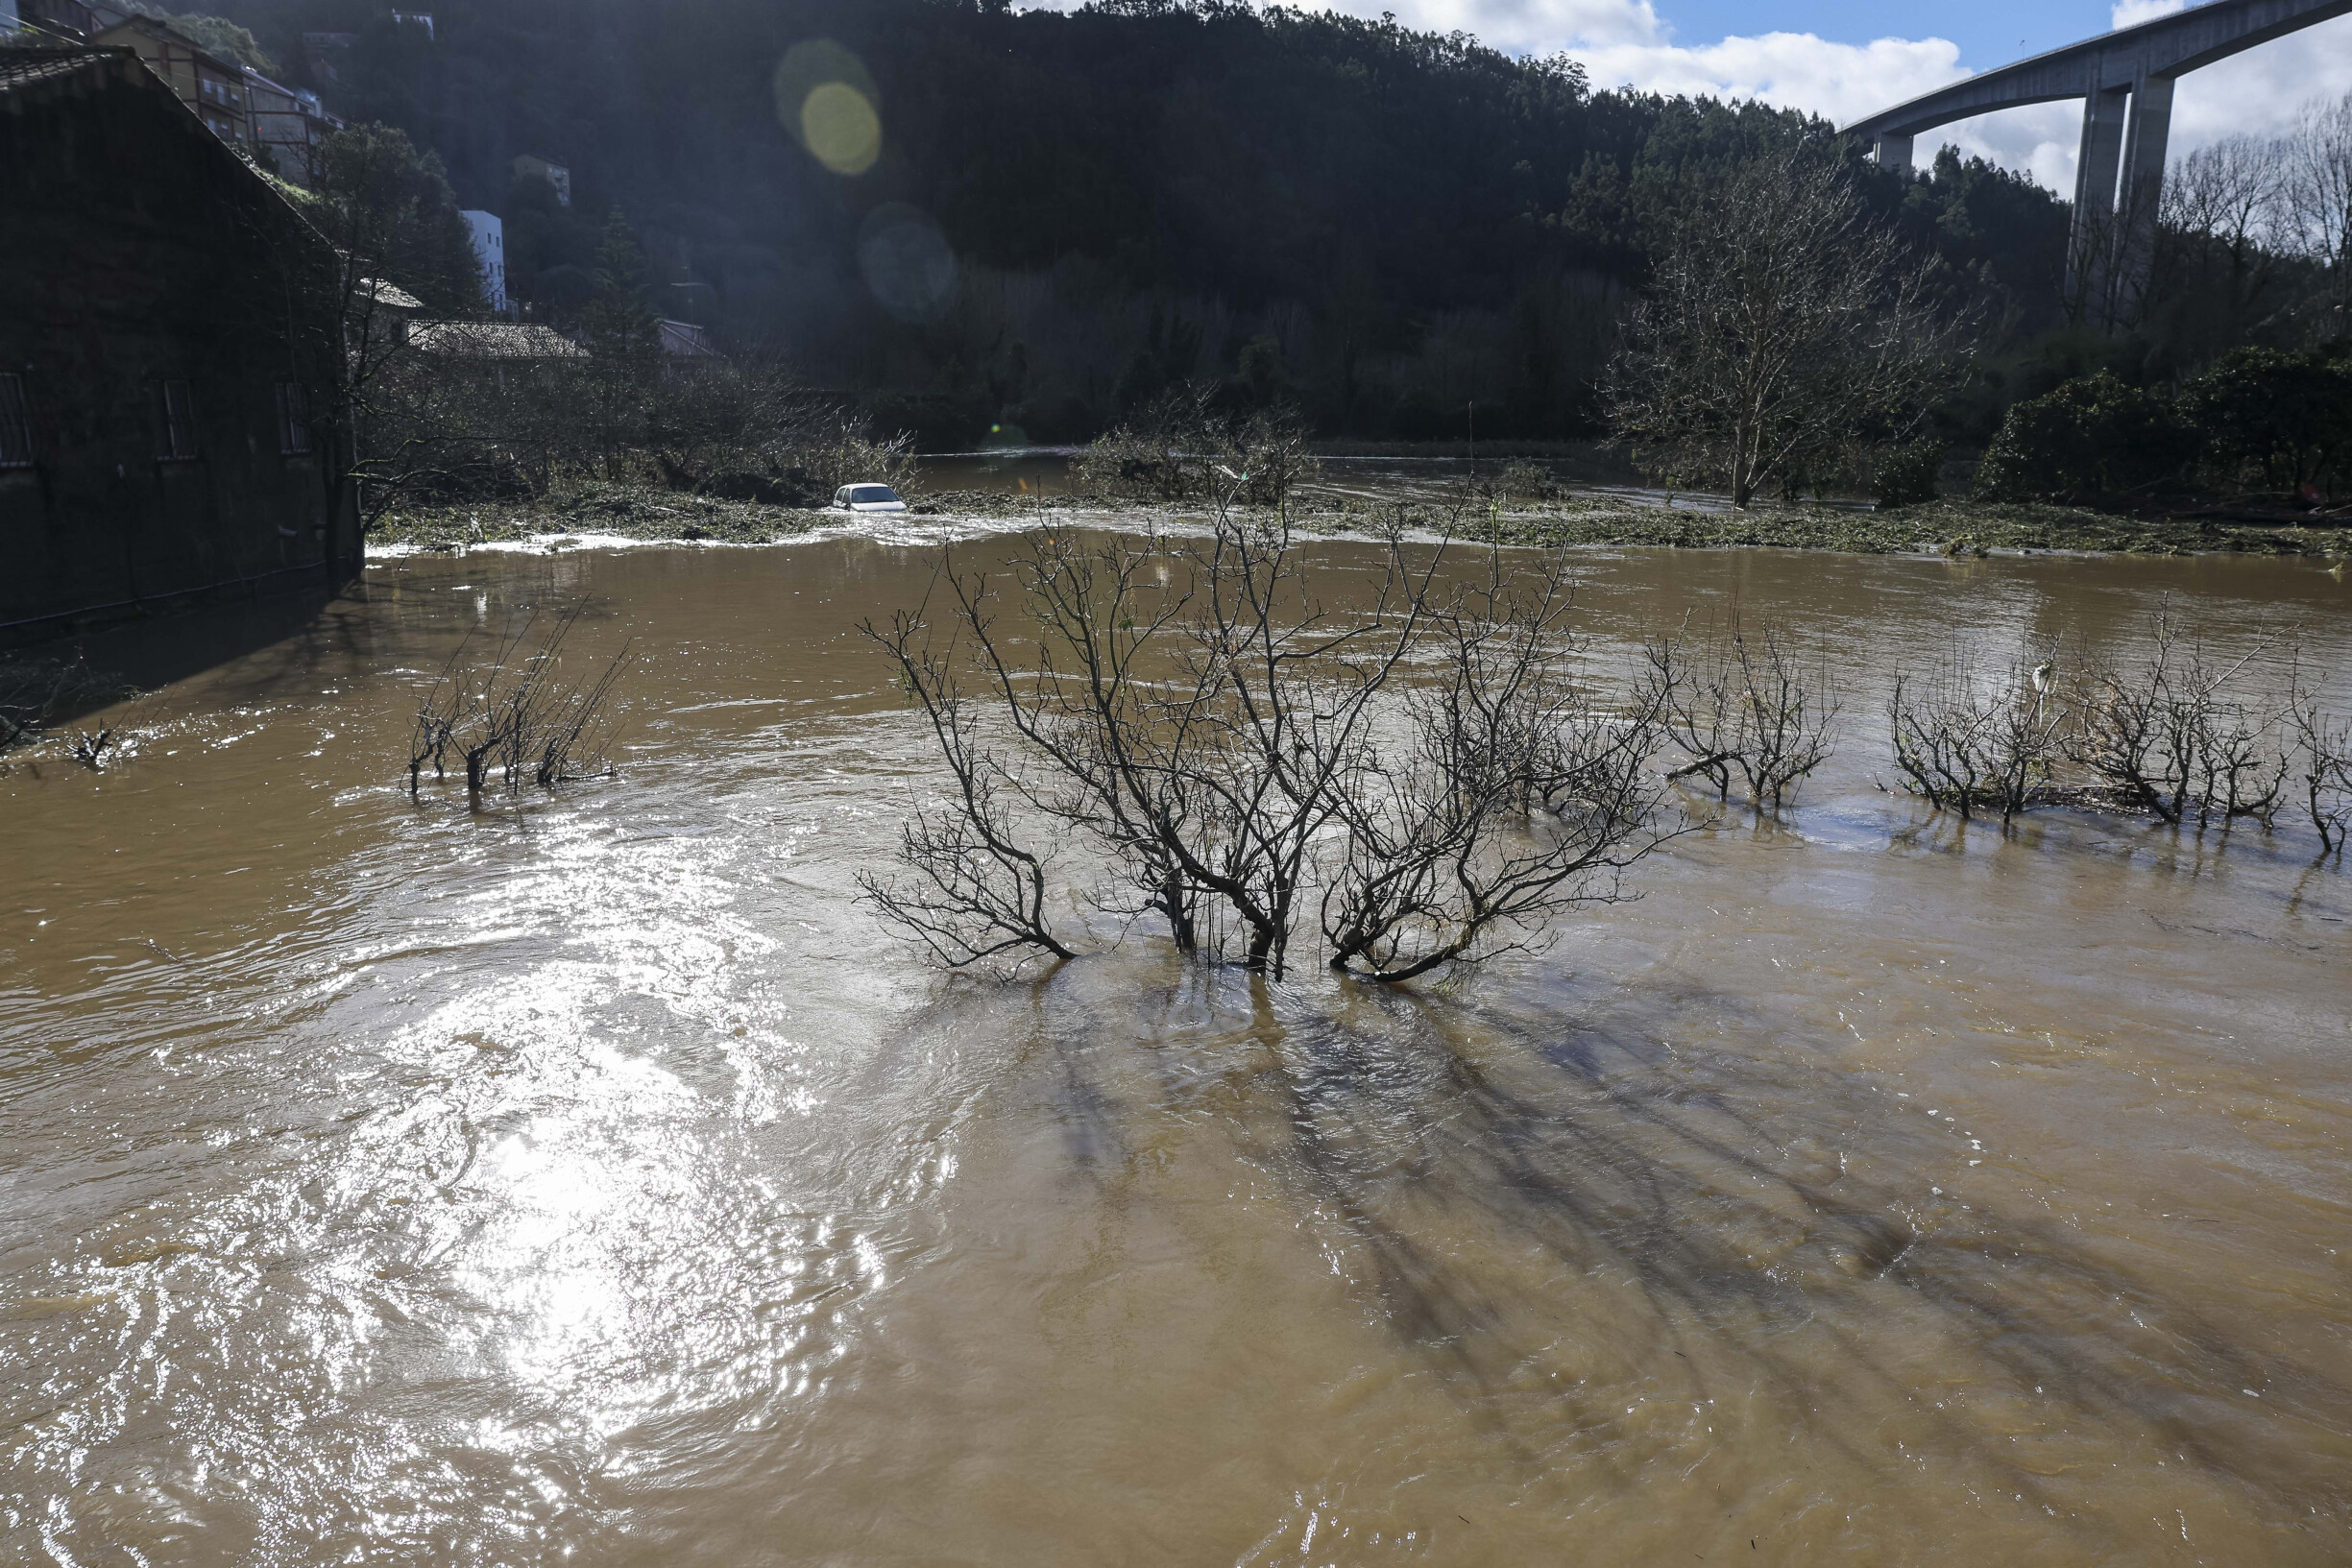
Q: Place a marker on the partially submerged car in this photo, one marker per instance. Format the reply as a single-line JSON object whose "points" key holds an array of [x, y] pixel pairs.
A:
{"points": [[867, 499]]}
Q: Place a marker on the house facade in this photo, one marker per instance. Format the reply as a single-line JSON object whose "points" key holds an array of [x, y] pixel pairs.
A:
{"points": [[531, 166], [214, 88], [287, 124], [166, 398]]}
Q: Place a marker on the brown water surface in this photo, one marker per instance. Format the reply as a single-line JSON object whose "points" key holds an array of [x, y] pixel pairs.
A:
{"points": [[592, 1179]]}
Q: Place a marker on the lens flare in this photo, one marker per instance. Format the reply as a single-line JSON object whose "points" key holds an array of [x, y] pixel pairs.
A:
{"points": [[840, 126], [908, 264], [827, 100]]}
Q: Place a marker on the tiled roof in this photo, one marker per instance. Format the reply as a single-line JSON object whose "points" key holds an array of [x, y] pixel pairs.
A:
{"points": [[26, 67], [493, 339]]}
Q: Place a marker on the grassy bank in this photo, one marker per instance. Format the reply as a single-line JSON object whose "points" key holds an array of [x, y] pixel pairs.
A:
{"points": [[1945, 527], [1948, 528]]}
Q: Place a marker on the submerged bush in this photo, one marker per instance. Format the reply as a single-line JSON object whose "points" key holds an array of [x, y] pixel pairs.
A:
{"points": [[1182, 447]]}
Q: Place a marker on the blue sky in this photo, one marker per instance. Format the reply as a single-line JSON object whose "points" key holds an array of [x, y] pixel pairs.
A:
{"points": [[1991, 33]]}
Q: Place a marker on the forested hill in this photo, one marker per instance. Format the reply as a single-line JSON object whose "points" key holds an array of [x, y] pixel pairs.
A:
{"points": [[1068, 212]]}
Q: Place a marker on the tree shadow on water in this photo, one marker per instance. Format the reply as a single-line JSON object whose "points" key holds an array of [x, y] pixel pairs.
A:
{"points": [[1486, 1168], [1550, 1214]]}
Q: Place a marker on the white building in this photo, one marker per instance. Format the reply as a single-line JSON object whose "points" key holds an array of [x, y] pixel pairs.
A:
{"points": [[490, 248]]}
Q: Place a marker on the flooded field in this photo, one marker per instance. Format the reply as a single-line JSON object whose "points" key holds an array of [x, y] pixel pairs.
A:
{"points": [[592, 1179]]}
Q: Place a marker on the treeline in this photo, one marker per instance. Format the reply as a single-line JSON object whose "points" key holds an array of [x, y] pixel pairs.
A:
{"points": [[1064, 216], [1378, 225]]}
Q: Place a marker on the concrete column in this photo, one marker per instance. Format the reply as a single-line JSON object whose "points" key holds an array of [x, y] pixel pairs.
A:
{"points": [[2144, 143], [1894, 151], [2102, 150], [2142, 197], [2095, 173]]}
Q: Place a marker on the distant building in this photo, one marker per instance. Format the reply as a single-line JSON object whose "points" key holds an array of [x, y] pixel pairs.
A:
{"points": [[489, 249], [214, 88], [288, 123], [531, 166], [414, 19], [164, 394]]}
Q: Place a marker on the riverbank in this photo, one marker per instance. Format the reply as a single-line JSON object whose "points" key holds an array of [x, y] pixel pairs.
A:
{"points": [[1948, 528]]}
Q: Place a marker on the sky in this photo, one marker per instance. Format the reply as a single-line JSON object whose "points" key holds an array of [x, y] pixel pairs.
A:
{"points": [[1844, 58]]}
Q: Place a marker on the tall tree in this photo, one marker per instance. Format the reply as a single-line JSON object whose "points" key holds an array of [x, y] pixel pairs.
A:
{"points": [[1785, 331]]}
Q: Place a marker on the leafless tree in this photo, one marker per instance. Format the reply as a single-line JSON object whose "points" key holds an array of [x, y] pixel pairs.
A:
{"points": [[1744, 702], [1514, 795], [514, 712], [1784, 329], [1966, 742], [2169, 735], [2224, 228], [1228, 744], [2323, 745], [978, 894], [2319, 189]]}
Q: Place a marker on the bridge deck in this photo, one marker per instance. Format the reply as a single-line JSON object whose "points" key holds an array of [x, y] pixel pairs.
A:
{"points": [[2167, 47]]}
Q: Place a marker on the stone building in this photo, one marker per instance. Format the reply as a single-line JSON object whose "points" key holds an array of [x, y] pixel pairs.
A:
{"points": [[165, 392]]}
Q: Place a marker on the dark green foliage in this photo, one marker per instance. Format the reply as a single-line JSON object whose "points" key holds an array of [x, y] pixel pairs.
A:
{"points": [[2279, 420], [1906, 474], [2093, 437], [379, 200]]}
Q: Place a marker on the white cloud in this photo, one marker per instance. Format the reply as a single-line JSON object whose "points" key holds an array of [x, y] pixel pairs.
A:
{"points": [[1627, 43]]}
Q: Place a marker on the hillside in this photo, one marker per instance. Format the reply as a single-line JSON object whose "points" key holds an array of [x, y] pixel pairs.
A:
{"points": [[1069, 211]]}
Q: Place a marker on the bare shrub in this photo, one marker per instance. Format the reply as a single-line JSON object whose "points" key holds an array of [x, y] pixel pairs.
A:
{"points": [[36, 692], [1522, 480], [1180, 447], [98, 747], [978, 896], [1226, 745], [1512, 799], [1744, 702], [841, 451], [516, 714], [1966, 742], [2323, 760], [2171, 736]]}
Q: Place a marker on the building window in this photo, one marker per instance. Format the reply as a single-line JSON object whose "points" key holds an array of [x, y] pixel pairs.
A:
{"points": [[175, 422], [293, 419], [15, 425]]}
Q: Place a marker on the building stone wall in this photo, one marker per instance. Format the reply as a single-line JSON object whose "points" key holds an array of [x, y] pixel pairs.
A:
{"points": [[166, 374]]}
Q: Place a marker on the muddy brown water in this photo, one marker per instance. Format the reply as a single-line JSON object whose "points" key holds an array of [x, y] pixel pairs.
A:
{"points": [[592, 1180]]}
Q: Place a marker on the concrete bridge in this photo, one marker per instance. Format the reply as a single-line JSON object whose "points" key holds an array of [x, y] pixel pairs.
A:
{"points": [[2125, 79]]}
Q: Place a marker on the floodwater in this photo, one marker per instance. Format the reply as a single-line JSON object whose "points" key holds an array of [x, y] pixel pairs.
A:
{"points": [[596, 1181]]}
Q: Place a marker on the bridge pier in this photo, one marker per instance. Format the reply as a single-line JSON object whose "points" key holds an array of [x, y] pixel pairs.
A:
{"points": [[2126, 78], [2143, 189]]}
